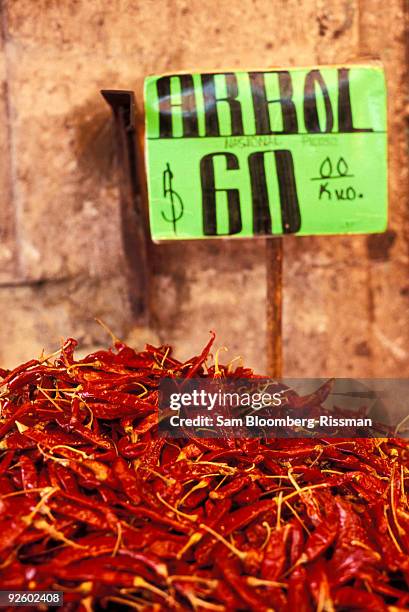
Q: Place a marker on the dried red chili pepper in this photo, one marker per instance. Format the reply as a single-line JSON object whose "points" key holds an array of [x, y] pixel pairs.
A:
{"points": [[93, 500]]}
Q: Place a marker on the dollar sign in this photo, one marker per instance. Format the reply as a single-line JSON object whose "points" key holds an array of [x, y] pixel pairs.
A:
{"points": [[176, 203]]}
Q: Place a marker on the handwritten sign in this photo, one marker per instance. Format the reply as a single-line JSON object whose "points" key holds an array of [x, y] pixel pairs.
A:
{"points": [[296, 151]]}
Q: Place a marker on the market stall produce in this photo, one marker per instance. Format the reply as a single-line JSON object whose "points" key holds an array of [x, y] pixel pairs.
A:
{"points": [[93, 503]]}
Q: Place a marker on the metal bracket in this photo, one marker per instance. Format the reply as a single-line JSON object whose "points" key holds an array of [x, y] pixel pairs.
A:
{"points": [[133, 214]]}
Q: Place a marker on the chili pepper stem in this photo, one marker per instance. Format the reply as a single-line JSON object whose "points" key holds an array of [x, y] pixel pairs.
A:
{"points": [[118, 540], [302, 559], [50, 399], [385, 512], [217, 371], [297, 516], [165, 357], [190, 517], [296, 485], [230, 364], [145, 390], [21, 427], [268, 536], [332, 472], [25, 492], [200, 485], [41, 524], [9, 559], [43, 359], [279, 504], [125, 601], [198, 603], [108, 330], [305, 489], [141, 583], [222, 466], [399, 528], [166, 479], [241, 554], [194, 539], [211, 582], [366, 547], [63, 462], [74, 366], [254, 581], [219, 484], [49, 491], [86, 603], [73, 450], [317, 458], [325, 603], [293, 480]]}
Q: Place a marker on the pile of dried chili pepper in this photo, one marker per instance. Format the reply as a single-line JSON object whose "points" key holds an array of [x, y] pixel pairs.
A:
{"points": [[94, 503]]}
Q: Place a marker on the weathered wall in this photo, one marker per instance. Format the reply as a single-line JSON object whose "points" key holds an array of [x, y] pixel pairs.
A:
{"points": [[347, 299], [61, 251]]}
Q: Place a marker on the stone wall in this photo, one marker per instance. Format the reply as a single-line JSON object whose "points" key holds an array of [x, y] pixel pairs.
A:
{"points": [[62, 257]]}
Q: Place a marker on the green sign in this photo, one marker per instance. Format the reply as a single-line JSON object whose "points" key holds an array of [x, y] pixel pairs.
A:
{"points": [[239, 154]]}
